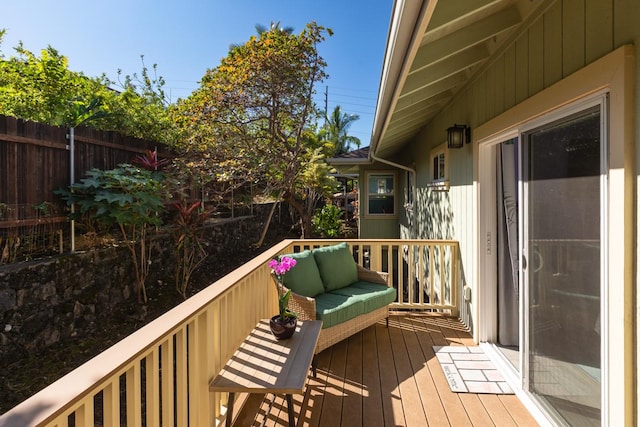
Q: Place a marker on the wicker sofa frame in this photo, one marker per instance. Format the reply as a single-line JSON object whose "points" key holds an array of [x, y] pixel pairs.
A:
{"points": [[305, 307]]}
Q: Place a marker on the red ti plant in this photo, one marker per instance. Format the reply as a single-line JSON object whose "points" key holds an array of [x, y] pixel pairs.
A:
{"points": [[189, 243], [150, 160]]}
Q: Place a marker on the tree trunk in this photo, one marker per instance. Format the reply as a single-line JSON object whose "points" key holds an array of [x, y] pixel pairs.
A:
{"points": [[305, 216], [266, 226]]}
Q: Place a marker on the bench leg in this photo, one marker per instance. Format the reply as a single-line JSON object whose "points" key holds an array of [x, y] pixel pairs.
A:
{"points": [[292, 420], [230, 409], [314, 367]]}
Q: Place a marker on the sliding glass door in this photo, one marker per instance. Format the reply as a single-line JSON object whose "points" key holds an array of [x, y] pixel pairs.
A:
{"points": [[563, 172]]}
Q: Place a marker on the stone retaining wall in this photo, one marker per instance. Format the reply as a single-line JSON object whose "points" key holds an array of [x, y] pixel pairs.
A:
{"points": [[46, 301]]}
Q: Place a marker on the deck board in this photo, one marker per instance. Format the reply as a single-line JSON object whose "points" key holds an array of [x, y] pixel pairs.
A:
{"points": [[389, 377], [372, 414], [353, 384]]}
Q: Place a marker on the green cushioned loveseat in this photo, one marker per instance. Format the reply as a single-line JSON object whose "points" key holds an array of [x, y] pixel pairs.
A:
{"points": [[327, 284]]}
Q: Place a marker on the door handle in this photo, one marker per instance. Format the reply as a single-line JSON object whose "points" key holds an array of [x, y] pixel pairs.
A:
{"points": [[524, 262]]}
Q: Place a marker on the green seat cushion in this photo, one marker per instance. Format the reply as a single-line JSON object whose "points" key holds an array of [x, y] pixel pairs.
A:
{"points": [[304, 278], [372, 295], [334, 309], [336, 265]]}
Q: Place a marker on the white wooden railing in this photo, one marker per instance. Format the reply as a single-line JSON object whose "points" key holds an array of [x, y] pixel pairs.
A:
{"points": [[159, 375]]}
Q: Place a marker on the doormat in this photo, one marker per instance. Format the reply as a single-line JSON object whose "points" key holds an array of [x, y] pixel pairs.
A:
{"points": [[469, 370]]}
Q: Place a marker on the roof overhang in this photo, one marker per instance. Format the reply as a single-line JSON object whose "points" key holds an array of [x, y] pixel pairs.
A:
{"points": [[350, 162], [434, 49]]}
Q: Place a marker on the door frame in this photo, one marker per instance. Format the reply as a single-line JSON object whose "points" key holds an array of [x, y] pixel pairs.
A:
{"points": [[612, 74]]}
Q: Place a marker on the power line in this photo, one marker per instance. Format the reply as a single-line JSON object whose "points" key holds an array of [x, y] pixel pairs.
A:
{"points": [[355, 90], [354, 96], [353, 103]]}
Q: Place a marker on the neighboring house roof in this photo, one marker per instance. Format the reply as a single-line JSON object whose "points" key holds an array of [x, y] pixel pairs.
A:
{"points": [[349, 162], [434, 49]]}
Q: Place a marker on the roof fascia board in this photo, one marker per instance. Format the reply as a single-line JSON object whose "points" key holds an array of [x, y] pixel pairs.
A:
{"points": [[408, 25]]}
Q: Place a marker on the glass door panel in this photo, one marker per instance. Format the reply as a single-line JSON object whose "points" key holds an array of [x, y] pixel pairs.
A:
{"points": [[562, 264]]}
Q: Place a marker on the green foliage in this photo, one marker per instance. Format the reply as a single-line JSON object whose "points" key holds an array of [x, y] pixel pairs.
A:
{"points": [[126, 195], [327, 222], [129, 197], [43, 89], [252, 114], [187, 234], [283, 306], [336, 132]]}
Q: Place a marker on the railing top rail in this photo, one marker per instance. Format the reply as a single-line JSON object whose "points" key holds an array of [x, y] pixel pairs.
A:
{"points": [[373, 241]]}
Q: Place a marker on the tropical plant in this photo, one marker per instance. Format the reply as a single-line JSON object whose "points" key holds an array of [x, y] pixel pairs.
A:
{"points": [[150, 161], [189, 245], [328, 222], [130, 198], [336, 132]]}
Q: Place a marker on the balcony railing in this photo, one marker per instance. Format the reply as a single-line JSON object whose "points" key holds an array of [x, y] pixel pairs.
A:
{"points": [[160, 374]]}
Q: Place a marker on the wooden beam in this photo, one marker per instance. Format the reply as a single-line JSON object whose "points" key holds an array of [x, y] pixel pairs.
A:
{"points": [[33, 141], [409, 99], [443, 69], [436, 50]]}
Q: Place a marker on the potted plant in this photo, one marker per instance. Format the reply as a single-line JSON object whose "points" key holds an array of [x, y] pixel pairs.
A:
{"points": [[284, 323]]}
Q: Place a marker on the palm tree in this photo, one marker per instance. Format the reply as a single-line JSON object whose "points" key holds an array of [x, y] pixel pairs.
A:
{"points": [[274, 26], [336, 131], [263, 29]]}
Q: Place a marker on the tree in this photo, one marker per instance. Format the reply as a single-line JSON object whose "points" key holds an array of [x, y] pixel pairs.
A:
{"points": [[336, 131], [43, 89], [255, 112]]}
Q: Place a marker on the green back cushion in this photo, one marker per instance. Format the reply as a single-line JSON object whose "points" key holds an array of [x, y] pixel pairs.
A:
{"points": [[304, 278], [336, 265]]}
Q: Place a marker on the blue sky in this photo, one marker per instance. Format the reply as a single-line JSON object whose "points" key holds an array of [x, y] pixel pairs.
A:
{"points": [[186, 38]]}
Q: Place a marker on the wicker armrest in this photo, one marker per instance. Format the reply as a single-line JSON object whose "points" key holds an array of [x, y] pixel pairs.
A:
{"points": [[373, 276], [304, 307]]}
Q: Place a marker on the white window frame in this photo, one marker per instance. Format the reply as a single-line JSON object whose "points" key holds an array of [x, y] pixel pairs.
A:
{"points": [[439, 168], [381, 176]]}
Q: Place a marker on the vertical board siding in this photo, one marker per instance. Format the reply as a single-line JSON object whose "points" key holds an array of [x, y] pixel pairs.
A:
{"points": [[573, 36], [500, 84], [536, 56], [509, 78], [522, 68], [598, 15], [552, 44]]}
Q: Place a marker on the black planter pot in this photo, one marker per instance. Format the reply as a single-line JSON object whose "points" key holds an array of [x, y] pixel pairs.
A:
{"points": [[282, 329]]}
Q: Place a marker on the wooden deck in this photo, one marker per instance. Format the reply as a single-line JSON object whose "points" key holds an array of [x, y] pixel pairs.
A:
{"points": [[388, 377]]}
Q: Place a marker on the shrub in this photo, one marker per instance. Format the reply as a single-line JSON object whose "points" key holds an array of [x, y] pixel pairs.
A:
{"points": [[327, 222]]}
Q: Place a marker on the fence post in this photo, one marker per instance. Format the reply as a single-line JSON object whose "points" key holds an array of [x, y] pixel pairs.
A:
{"points": [[72, 178]]}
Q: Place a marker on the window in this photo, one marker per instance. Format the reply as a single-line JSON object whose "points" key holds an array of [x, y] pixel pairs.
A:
{"points": [[381, 194], [440, 168]]}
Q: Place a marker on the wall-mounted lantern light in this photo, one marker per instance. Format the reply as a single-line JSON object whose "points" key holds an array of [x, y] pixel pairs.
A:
{"points": [[458, 135]]}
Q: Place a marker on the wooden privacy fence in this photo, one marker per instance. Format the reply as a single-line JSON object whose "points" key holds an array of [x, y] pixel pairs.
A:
{"points": [[35, 161]]}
